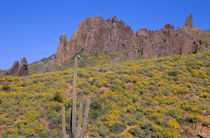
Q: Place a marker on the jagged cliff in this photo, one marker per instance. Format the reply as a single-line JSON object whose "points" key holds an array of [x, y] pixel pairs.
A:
{"points": [[95, 34]]}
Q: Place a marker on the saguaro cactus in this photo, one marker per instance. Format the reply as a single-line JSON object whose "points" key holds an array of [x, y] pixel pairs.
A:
{"points": [[76, 131], [74, 114]]}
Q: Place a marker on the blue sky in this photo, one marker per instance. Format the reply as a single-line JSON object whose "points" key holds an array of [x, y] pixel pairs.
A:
{"points": [[31, 28]]}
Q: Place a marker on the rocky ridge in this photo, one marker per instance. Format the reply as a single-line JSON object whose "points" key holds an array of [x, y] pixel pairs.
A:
{"points": [[95, 34]]}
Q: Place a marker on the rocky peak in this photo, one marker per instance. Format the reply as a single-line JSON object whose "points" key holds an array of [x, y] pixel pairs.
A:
{"points": [[114, 19], [95, 34], [23, 68], [189, 21], [62, 39]]}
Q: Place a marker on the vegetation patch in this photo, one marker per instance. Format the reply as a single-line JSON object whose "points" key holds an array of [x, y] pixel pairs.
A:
{"points": [[138, 98]]}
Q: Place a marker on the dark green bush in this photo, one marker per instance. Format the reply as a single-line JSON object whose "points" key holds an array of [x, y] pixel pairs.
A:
{"points": [[147, 127], [5, 87], [57, 97], [55, 107], [102, 70], [23, 84], [1, 101], [95, 109], [173, 73], [117, 127], [140, 91], [81, 75]]}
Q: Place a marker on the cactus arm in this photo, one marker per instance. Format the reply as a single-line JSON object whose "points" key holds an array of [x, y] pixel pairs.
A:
{"points": [[64, 123], [85, 123], [79, 127]]}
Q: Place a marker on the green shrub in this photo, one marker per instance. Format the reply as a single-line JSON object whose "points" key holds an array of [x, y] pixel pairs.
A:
{"points": [[173, 73], [104, 132], [138, 116], [174, 113], [11, 133], [147, 126], [23, 84], [55, 107], [194, 118], [81, 75], [130, 120], [5, 87], [117, 127], [137, 132], [44, 134], [95, 109], [140, 91], [57, 97]]}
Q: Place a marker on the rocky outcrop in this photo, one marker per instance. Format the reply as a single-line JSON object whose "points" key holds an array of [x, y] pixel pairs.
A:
{"points": [[18, 69], [163, 42], [95, 34], [168, 42], [189, 21], [23, 68], [13, 69]]}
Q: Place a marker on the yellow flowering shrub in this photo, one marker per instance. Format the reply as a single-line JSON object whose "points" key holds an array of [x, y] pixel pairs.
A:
{"points": [[173, 123]]}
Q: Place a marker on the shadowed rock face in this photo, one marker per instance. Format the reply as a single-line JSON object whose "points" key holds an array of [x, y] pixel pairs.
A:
{"points": [[18, 69], [95, 34]]}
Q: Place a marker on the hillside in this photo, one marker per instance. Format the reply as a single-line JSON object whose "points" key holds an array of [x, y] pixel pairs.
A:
{"points": [[165, 97], [49, 64], [44, 65], [2, 72]]}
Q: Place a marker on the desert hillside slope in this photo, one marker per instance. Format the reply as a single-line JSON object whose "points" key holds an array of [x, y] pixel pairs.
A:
{"points": [[167, 97]]}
